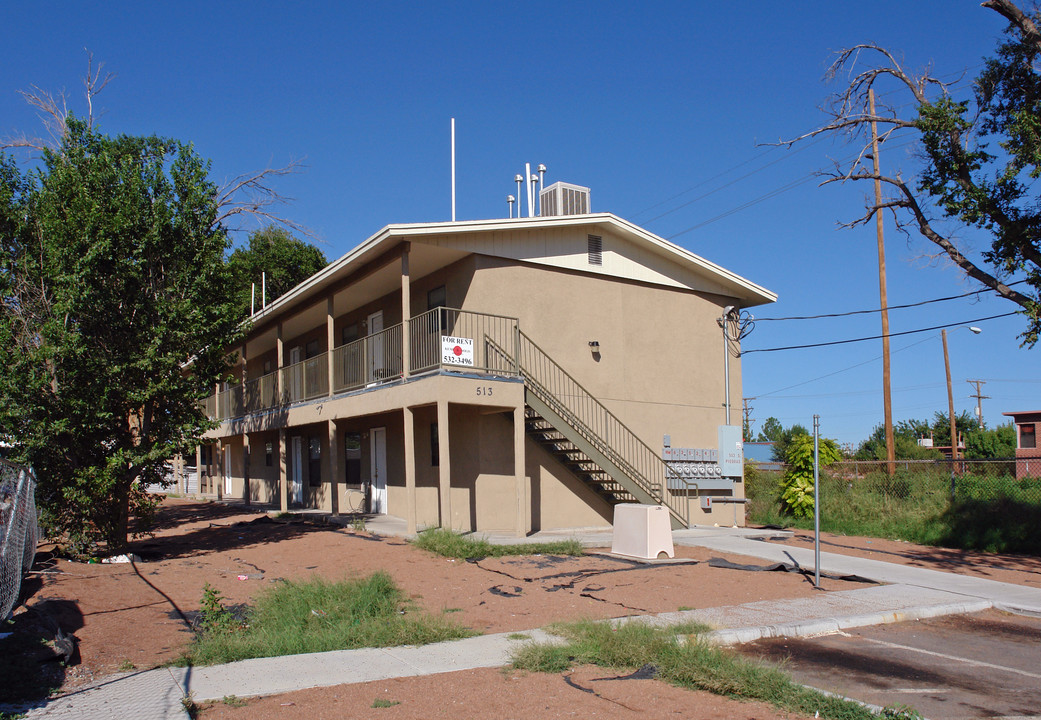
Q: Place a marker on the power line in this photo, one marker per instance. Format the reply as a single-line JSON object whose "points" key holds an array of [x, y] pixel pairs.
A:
{"points": [[891, 307], [875, 337]]}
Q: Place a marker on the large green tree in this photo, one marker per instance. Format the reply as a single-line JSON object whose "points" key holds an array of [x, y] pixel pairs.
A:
{"points": [[113, 284], [980, 153], [271, 253]]}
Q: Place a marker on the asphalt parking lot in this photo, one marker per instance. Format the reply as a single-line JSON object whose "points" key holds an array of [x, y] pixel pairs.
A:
{"points": [[985, 665]]}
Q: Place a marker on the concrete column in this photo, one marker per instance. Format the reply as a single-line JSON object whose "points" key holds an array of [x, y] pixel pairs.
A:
{"points": [[280, 360], [444, 476], [283, 485], [245, 468], [519, 464], [198, 471], [330, 340], [220, 450], [335, 448], [410, 468], [406, 311]]}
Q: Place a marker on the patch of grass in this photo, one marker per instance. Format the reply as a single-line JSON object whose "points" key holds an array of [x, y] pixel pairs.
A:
{"points": [[358, 524], [381, 703], [684, 608], [126, 666], [233, 701], [446, 611], [466, 547], [993, 514], [518, 636], [681, 658], [317, 615]]}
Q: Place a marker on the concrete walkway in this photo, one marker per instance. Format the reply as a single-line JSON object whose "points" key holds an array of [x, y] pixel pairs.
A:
{"points": [[911, 593]]}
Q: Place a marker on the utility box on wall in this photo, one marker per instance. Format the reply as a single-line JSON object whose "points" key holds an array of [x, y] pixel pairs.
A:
{"points": [[731, 451]]}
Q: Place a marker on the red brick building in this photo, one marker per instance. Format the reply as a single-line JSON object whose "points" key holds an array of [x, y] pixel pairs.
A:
{"points": [[1028, 453]]}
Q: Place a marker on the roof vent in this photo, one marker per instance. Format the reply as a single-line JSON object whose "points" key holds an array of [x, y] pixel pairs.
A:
{"points": [[562, 198]]}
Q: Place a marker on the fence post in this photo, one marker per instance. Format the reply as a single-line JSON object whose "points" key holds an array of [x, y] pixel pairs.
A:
{"points": [[952, 482]]}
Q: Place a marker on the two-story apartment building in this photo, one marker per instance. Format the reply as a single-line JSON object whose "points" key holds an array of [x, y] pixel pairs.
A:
{"points": [[498, 375]]}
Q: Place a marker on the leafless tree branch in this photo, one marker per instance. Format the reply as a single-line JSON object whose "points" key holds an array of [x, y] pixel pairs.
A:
{"points": [[251, 194]]}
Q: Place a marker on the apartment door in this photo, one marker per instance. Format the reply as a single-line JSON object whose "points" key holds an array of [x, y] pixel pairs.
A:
{"points": [[376, 354], [296, 378], [378, 463], [227, 471], [296, 481]]}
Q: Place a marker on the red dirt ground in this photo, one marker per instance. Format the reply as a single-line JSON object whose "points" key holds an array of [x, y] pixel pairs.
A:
{"points": [[125, 615]]}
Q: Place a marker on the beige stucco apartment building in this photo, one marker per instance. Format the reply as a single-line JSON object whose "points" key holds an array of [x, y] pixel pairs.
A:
{"points": [[496, 375]]}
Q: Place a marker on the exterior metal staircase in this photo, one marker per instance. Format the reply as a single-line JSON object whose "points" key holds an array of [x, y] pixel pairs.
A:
{"points": [[589, 440]]}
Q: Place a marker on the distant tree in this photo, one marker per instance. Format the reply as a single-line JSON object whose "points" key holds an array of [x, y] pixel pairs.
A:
{"points": [[112, 280], [785, 439], [990, 444], [282, 258], [771, 430], [981, 156], [905, 437], [964, 423]]}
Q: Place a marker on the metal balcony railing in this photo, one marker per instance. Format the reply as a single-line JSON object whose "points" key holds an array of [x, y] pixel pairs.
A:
{"points": [[306, 379], [369, 360], [463, 340]]}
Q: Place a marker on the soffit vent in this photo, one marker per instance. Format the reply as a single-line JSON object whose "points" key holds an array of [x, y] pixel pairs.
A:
{"points": [[562, 198], [596, 250]]}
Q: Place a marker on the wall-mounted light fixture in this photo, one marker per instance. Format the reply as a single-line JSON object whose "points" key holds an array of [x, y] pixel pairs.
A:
{"points": [[594, 346]]}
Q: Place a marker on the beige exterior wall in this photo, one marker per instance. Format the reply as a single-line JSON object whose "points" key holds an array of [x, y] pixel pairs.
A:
{"points": [[659, 369]]}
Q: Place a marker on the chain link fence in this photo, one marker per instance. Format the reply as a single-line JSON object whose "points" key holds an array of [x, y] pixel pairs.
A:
{"points": [[982, 480], [973, 504], [20, 528]]}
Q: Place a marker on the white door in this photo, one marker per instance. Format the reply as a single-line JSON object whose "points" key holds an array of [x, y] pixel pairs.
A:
{"points": [[378, 462], [296, 381], [296, 482], [375, 347], [227, 471]]}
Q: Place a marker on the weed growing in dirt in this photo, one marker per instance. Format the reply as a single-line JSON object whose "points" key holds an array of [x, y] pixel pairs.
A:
{"points": [[455, 545], [317, 615], [126, 666], [358, 524], [233, 701], [678, 655], [381, 703]]}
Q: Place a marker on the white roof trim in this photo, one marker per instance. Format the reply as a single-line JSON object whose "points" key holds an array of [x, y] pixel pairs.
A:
{"points": [[745, 290]]}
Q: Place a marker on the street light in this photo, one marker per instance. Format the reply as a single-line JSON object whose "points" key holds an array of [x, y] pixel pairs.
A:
{"points": [[950, 391]]}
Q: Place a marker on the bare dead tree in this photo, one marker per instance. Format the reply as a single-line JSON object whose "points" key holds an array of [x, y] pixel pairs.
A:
{"points": [[250, 195], [919, 207]]}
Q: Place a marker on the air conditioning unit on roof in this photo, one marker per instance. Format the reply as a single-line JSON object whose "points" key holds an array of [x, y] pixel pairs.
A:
{"points": [[562, 198]]}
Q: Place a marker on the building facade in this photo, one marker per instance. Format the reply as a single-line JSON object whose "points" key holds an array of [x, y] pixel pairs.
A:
{"points": [[498, 375], [1028, 454]]}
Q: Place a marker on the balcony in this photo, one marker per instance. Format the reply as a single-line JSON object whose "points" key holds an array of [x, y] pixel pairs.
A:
{"points": [[439, 340]]}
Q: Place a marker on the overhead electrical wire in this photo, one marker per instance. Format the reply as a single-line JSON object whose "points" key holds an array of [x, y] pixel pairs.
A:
{"points": [[891, 307], [876, 337]]}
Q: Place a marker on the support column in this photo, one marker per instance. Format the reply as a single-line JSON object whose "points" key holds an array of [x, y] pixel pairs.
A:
{"points": [[283, 486], [220, 450], [406, 311], [410, 468], [519, 464], [334, 468], [330, 341], [444, 476], [280, 391], [198, 471], [245, 468]]}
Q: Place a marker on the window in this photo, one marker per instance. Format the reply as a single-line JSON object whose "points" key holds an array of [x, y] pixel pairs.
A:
{"points": [[269, 366], [435, 446], [349, 333], [314, 461], [596, 250], [438, 297], [1027, 436], [311, 349], [352, 455], [269, 454]]}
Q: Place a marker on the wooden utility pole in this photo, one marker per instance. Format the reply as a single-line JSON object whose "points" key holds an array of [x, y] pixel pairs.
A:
{"points": [[887, 400], [748, 416], [950, 398], [979, 400]]}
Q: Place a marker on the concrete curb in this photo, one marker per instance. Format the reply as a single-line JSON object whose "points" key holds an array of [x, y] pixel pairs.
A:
{"points": [[825, 626]]}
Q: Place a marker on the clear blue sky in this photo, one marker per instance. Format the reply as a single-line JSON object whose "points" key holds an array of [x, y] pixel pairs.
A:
{"points": [[656, 106]]}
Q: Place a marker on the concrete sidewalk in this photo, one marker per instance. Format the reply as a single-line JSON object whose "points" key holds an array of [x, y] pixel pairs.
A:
{"points": [[912, 593]]}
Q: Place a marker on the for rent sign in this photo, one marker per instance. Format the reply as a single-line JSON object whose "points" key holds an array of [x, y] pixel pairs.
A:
{"points": [[457, 351]]}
